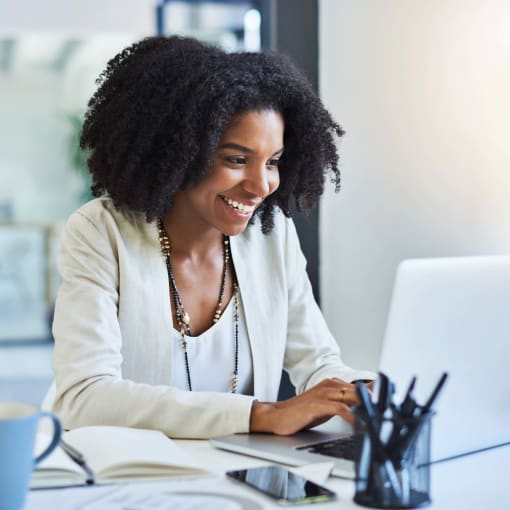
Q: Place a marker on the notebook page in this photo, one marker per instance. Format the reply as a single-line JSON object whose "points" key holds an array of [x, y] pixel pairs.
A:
{"points": [[105, 447]]}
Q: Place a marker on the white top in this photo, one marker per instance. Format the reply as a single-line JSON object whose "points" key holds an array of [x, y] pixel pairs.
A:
{"points": [[211, 356]]}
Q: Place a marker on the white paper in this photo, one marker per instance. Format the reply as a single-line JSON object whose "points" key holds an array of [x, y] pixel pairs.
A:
{"points": [[205, 494], [318, 473], [131, 498]]}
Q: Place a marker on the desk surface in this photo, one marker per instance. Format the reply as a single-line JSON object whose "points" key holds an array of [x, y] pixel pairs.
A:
{"points": [[474, 482]]}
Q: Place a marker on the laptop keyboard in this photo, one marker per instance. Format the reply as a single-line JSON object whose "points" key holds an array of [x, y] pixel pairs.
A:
{"points": [[348, 448]]}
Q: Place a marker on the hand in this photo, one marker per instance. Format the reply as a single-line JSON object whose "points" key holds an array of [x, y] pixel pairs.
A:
{"points": [[331, 397]]}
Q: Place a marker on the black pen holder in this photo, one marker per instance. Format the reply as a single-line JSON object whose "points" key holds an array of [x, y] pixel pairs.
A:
{"points": [[396, 472]]}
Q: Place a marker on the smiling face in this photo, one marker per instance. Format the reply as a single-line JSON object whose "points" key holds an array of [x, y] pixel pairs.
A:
{"points": [[243, 173]]}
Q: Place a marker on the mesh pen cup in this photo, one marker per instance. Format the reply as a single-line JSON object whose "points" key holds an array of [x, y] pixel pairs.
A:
{"points": [[395, 473]]}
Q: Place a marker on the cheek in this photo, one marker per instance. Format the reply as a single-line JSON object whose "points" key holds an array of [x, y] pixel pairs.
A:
{"points": [[274, 182], [219, 176]]}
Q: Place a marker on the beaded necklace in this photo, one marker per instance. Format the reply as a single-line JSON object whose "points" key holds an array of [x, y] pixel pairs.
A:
{"points": [[183, 318]]}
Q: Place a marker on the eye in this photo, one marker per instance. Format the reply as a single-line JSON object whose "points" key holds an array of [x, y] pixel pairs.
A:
{"points": [[236, 160], [273, 163]]}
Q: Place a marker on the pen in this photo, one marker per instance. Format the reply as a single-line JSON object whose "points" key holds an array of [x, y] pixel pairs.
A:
{"points": [[386, 390], [79, 459], [409, 404], [369, 416], [411, 432], [434, 394], [410, 389], [401, 416]]}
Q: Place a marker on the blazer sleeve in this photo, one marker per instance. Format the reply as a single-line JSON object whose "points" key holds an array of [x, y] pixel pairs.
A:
{"points": [[311, 354], [90, 388]]}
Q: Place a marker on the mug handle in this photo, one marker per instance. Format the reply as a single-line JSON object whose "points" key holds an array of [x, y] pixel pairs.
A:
{"points": [[57, 436]]}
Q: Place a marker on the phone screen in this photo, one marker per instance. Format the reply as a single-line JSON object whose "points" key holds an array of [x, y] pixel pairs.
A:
{"points": [[283, 485]]}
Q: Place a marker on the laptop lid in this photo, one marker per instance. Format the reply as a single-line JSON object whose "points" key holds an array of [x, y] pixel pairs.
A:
{"points": [[453, 314]]}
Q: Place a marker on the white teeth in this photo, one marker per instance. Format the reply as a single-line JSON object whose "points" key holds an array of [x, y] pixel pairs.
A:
{"points": [[238, 206]]}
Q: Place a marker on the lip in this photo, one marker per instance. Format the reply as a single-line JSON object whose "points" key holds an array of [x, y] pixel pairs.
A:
{"points": [[248, 203], [236, 214], [251, 205]]}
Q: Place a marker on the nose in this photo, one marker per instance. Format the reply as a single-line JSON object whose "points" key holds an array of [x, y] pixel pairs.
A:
{"points": [[259, 181]]}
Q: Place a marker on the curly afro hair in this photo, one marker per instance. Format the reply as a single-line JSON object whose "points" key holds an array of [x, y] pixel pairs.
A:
{"points": [[162, 105]]}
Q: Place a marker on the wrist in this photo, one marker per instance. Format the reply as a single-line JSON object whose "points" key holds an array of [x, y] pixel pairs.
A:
{"points": [[260, 417]]}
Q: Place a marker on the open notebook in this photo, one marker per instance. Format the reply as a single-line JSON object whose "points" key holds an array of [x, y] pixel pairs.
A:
{"points": [[113, 454]]}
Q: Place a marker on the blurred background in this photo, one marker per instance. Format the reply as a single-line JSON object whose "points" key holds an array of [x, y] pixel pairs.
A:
{"points": [[422, 89]]}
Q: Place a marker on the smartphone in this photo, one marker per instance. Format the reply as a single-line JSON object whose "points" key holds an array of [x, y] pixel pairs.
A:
{"points": [[282, 485]]}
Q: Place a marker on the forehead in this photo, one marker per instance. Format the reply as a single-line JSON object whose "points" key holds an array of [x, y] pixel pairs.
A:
{"points": [[263, 125]]}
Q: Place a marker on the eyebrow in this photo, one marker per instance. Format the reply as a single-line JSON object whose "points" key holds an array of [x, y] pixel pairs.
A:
{"points": [[242, 148]]}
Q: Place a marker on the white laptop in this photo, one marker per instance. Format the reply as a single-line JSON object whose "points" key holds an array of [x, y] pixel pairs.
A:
{"points": [[446, 314]]}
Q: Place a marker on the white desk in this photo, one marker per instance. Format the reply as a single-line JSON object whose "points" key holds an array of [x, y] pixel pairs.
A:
{"points": [[480, 482]]}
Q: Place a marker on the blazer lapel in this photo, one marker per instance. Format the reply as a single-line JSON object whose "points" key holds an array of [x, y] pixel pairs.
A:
{"points": [[249, 279]]}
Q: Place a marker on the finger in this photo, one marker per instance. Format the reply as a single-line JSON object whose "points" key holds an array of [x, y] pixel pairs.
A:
{"points": [[338, 380], [344, 411], [332, 382], [326, 411], [347, 395]]}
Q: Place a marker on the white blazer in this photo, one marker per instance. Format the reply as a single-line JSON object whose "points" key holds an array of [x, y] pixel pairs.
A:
{"points": [[113, 331]]}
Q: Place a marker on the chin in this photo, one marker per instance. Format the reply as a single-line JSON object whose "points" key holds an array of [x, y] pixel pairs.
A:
{"points": [[234, 230]]}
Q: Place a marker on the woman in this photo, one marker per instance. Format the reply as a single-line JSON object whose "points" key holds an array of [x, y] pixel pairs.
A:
{"points": [[184, 291]]}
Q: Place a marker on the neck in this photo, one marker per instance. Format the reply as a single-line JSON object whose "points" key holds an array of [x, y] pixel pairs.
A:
{"points": [[190, 240]]}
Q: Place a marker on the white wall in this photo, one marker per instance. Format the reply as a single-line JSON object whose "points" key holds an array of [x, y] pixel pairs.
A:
{"points": [[36, 176], [36, 173], [423, 91], [34, 161], [77, 17]]}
